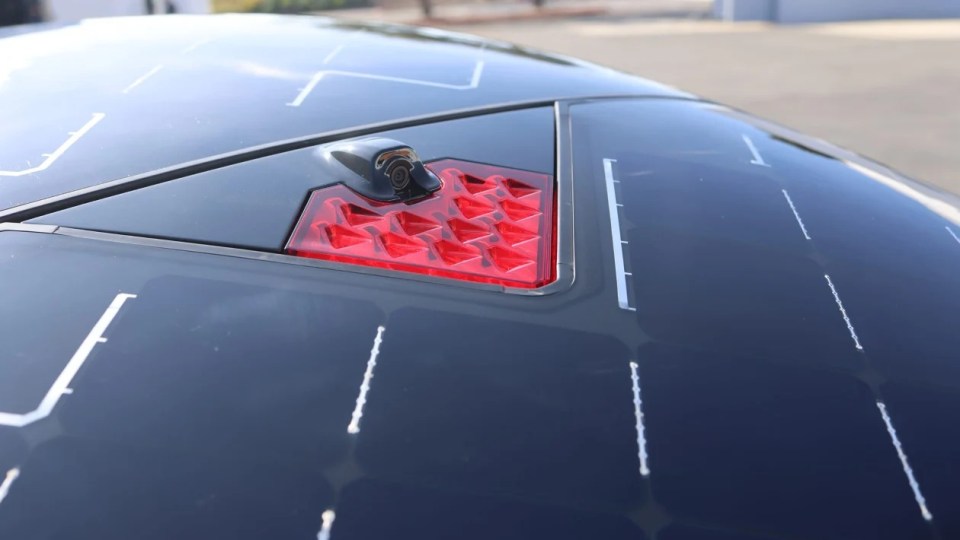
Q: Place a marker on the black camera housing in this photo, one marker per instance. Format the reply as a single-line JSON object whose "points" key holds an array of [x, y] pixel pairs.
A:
{"points": [[380, 169]]}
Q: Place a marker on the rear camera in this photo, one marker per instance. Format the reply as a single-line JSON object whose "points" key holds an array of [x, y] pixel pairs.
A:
{"points": [[400, 177]]}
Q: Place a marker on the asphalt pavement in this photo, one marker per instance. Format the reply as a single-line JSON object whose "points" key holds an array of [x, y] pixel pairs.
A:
{"points": [[889, 90]]}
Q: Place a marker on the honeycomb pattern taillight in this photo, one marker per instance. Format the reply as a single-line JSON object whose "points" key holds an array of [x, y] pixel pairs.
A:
{"points": [[485, 224]]}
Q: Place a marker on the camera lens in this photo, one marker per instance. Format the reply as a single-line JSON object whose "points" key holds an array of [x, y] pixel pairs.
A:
{"points": [[400, 177]]}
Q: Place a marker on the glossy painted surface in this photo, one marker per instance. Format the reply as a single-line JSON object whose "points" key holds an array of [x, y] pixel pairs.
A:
{"points": [[745, 300], [516, 417], [111, 98]]}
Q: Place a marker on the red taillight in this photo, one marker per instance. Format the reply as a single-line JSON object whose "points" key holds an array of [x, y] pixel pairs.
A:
{"points": [[485, 224]]}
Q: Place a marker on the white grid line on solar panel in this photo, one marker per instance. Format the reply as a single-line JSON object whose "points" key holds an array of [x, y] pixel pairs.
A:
{"points": [[324, 73], [51, 158], [61, 386], [616, 235], [354, 426]]}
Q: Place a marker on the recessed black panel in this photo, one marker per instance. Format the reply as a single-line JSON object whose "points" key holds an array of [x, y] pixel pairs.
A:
{"points": [[255, 204], [75, 488], [518, 410], [926, 422], [752, 445], [230, 371], [374, 509]]}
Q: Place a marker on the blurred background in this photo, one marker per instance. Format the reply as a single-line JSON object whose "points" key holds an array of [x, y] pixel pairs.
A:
{"points": [[880, 77]]}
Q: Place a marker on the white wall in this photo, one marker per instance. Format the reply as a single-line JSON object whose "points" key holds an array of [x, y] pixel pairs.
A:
{"points": [[796, 11], [804, 11], [71, 10], [744, 10]]}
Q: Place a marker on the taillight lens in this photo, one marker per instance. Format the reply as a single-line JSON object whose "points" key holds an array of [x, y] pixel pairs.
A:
{"points": [[485, 224]]}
